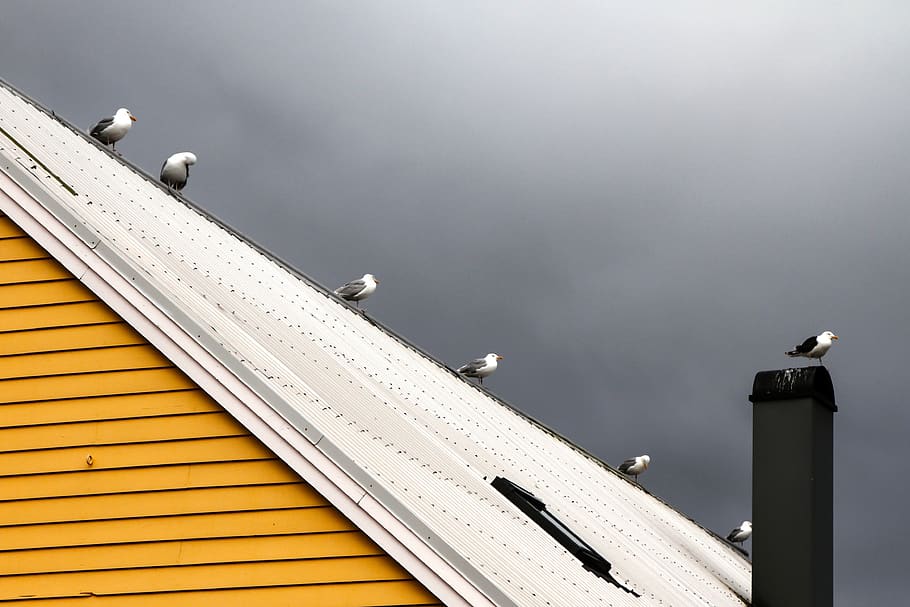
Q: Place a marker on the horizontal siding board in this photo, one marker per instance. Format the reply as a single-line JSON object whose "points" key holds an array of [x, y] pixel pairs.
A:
{"points": [[246, 575], [68, 338], [96, 482], [397, 593], [56, 315], [9, 230], [14, 249], [158, 503], [188, 552], [33, 270], [81, 361], [142, 430], [44, 293], [106, 407], [193, 526], [94, 384]]}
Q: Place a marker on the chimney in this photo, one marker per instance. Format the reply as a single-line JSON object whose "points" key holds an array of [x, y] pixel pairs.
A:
{"points": [[792, 488]]}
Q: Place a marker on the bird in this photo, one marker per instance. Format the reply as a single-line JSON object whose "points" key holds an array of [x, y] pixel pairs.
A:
{"points": [[814, 347], [358, 290], [112, 129], [741, 533], [635, 465], [481, 367], [176, 170]]}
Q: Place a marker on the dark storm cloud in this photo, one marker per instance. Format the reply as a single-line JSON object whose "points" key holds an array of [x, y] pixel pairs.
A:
{"points": [[640, 205]]}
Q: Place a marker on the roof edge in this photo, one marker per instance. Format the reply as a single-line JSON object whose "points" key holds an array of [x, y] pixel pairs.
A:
{"points": [[296, 421], [25, 206]]}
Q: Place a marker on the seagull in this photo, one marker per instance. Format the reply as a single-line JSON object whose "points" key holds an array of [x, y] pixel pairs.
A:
{"points": [[814, 347], [481, 367], [114, 128], [176, 170], [741, 533], [635, 466], [359, 289]]}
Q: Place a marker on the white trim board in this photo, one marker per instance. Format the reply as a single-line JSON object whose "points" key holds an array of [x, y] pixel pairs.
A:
{"points": [[239, 400]]}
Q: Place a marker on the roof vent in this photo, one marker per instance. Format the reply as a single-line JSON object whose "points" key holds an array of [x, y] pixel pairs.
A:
{"points": [[537, 511]]}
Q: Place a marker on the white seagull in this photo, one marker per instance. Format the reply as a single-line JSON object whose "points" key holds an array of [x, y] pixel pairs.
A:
{"points": [[635, 465], [481, 367], [814, 347], [176, 170], [359, 289], [741, 533], [114, 128]]}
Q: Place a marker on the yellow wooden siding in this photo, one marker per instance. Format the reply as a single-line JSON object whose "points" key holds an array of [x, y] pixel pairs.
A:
{"points": [[31, 270], [122, 483], [37, 317], [8, 229], [43, 293], [367, 594]]}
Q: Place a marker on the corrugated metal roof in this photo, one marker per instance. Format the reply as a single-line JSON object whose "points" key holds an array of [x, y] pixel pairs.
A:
{"points": [[419, 439]]}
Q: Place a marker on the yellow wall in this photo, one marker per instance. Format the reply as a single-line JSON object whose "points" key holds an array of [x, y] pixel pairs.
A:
{"points": [[121, 483]]}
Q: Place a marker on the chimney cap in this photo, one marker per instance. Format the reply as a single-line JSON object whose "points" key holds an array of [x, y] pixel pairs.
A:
{"points": [[787, 384]]}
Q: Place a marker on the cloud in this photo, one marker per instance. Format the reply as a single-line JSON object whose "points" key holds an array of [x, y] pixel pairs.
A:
{"points": [[639, 205]]}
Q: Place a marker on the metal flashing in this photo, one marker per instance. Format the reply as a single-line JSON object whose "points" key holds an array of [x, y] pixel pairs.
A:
{"points": [[25, 179]]}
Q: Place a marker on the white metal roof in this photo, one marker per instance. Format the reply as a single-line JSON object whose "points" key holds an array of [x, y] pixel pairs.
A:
{"points": [[406, 442]]}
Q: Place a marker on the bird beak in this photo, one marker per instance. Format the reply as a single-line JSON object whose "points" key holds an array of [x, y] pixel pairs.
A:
{"points": [[133, 118], [834, 337], [376, 280], [499, 358]]}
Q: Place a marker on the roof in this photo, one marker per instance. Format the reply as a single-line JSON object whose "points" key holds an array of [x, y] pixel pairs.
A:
{"points": [[397, 441]]}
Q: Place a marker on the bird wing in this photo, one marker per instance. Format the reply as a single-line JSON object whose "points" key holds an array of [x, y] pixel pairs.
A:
{"points": [[174, 175], [807, 345], [624, 467], [732, 535], [472, 367], [102, 124], [351, 288]]}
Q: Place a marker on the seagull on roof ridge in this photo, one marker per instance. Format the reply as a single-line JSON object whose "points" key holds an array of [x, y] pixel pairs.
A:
{"points": [[359, 289], [814, 347], [635, 465], [741, 533], [114, 128], [176, 170], [481, 367]]}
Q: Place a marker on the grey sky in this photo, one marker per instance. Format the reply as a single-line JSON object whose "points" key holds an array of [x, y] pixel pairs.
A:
{"points": [[639, 204]]}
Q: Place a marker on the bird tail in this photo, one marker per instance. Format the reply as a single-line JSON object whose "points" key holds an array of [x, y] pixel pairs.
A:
{"points": [[792, 353]]}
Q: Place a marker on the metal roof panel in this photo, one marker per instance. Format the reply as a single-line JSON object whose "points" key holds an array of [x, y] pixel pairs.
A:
{"points": [[421, 441]]}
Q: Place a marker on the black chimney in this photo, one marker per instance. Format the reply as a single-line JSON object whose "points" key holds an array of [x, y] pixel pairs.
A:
{"points": [[792, 488]]}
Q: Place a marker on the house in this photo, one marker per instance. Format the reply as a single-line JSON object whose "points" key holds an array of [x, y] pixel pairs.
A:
{"points": [[186, 419]]}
